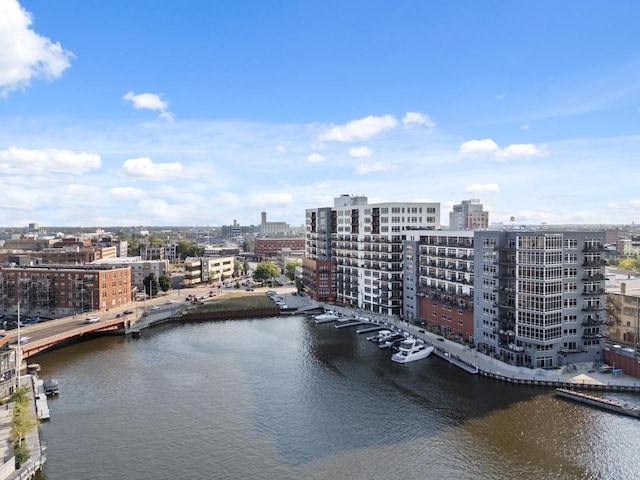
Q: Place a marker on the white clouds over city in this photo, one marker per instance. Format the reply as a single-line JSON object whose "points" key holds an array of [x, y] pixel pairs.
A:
{"points": [[360, 152], [144, 167], [26, 161]]}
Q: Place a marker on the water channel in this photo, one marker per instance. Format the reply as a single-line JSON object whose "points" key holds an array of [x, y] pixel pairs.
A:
{"points": [[284, 398]]}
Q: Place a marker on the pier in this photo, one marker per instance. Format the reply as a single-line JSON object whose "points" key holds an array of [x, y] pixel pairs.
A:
{"points": [[598, 402]]}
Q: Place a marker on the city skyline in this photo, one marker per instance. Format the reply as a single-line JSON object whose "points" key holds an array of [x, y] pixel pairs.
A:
{"points": [[204, 113]]}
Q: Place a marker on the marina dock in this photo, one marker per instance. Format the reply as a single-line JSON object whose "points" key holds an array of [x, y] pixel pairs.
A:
{"points": [[351, 324], [371, 329]]}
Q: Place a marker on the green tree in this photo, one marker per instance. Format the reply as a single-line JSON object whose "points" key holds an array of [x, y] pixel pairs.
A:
{"points": [[150, 285], [155, 240], [266, 271], [237, 269], [290, 269], [185, 248], [23, 420], [164, 282], [299, 285], [245, 266]]}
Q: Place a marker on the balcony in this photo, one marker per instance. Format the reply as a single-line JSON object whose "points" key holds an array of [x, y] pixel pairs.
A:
{"points": [[596, 291], [593, 248], [593, 308]]}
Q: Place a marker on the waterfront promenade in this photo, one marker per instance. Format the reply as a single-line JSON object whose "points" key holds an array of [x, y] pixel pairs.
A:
{"points": [[583, 376]]}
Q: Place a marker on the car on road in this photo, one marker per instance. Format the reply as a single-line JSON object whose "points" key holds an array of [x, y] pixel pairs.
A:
{"points": [[169, 302], [154, 307], [24, 339], [92, 320], [249, 289], [128, 312]]}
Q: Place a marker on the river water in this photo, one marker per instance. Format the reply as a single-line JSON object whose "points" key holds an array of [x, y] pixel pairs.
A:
{"points": [[284, 398]]}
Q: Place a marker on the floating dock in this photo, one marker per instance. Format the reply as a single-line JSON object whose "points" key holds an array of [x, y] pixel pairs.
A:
{"points": [[457, 361], [325, 320], [598, 402], [371, 329], [351, 324]]}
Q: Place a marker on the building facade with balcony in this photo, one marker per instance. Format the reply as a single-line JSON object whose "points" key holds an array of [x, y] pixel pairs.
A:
{"points": [[318, 268], [438, 281], [366, 249], [539, 296], [55, 291]]}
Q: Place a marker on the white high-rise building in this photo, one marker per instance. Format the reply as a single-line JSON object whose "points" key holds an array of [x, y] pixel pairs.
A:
{"points": [[366, 248]]}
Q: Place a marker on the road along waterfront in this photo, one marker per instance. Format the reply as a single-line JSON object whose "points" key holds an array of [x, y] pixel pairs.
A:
{"points": [[284, 398]]}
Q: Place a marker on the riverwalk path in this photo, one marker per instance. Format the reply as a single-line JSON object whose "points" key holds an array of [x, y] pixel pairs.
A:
{"points": [[583, 376]]}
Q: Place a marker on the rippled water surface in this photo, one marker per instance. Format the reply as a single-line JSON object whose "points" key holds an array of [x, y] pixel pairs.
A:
{"points": [[284, 398]]}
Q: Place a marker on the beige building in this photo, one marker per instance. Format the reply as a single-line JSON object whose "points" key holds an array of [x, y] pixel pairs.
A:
{"points": [[623, 310]]}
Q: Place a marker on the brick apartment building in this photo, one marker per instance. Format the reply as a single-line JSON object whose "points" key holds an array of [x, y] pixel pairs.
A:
{"points": [[54, 291]]}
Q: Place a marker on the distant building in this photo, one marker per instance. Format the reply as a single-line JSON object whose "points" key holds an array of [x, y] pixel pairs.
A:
{"points": [[623, 311], [140, 269], [237, 230], [468, 215], [202, 270], [271, 248], [274, 229]]}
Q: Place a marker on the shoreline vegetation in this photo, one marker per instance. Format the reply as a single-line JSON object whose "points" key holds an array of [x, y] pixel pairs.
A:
{"points": [[234, 305]]}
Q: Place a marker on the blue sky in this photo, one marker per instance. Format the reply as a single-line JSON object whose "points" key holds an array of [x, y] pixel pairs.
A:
{"points": [[202, 112]]}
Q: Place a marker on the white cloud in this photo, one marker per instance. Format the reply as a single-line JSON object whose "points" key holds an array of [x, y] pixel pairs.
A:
{"points": [[25, 54], [24, 161], [365, 168], [145, 168], [360, 152], [500, 96], [315, 158], [482, 188], [473, 147], [523, 150], [127, 193], [149, 101], [516, 150], [525, 127], [361, 129], [416, 119]]}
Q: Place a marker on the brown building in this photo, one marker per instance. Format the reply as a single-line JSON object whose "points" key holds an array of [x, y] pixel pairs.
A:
{"points": [[269, 248], [318, 276], [55, 291]]}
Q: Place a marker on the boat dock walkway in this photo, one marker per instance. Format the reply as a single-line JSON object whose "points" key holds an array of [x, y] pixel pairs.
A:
{"points": [[584, 376], [348, 324], [598, 402], [370, 329]]}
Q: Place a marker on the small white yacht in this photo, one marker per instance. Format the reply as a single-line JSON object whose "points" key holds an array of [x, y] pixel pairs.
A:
{"points": [[327, 316], [412, 349]]}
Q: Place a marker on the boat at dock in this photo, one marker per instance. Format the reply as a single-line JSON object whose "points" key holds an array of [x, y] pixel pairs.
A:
{"points": [[51, 387], [328, 316], [412, 349]]}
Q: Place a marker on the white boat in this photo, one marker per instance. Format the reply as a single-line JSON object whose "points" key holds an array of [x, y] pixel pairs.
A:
{"points": [[379, 335], [327, 316], [412, 349]]}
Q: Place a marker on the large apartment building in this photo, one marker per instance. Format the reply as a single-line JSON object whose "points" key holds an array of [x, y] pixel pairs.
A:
{"points": [[539, 296], [54, 291], [438, 281], [357, 247]]}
